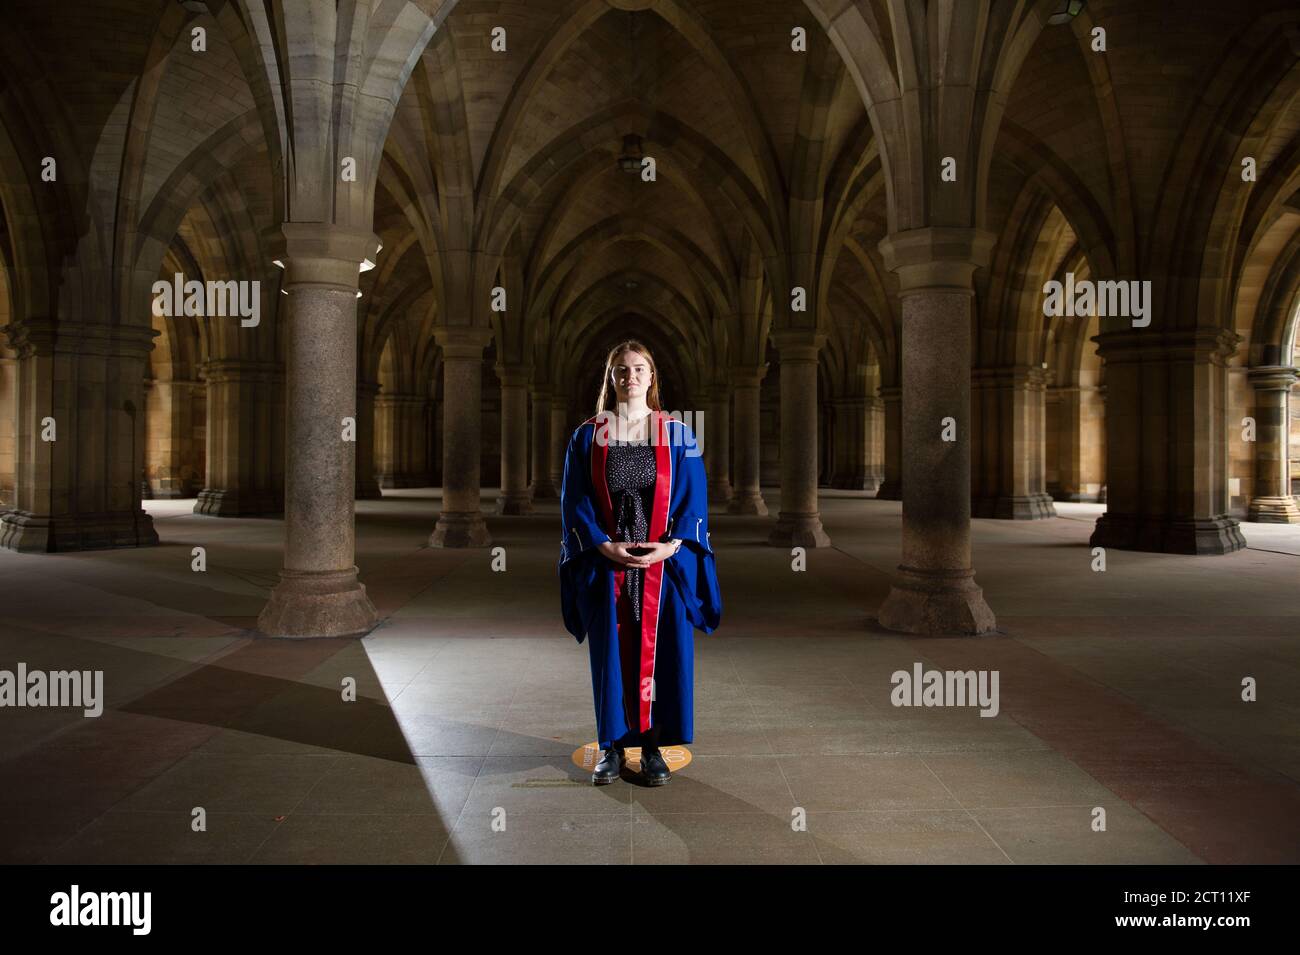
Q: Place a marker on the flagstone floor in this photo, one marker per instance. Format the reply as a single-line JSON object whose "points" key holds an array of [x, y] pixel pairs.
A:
{"points": [[1121, 735]]}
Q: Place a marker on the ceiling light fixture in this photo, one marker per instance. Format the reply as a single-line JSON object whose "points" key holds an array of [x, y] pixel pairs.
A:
{"points": [[632, 155], [1065, 11], [630, 159], [366, 264]]}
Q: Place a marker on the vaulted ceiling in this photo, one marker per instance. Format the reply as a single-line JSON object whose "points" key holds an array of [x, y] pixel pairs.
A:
{"points": [[764, 156]]}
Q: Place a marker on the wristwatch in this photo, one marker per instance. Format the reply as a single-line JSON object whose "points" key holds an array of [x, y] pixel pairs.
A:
{"points": [[677, 544]]}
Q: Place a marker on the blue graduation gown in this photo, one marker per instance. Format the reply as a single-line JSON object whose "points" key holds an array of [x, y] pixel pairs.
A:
{"points": [[680, 594]]}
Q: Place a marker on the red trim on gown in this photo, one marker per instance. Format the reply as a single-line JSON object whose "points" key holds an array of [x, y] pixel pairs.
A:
{"points": [[643, 664]]}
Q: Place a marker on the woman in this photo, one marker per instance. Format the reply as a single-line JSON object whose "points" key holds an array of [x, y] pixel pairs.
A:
{"points": [[633, 476]]}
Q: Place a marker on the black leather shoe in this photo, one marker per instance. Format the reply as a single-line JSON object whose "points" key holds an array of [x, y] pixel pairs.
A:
{"points": [[610, 767], [653, 767]]}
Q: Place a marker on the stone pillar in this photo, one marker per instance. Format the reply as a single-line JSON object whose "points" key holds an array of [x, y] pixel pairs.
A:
{"points": [[716, 435], [891, 488], [461, 522], [400, 437], [851, 437], [413, 413], [81, 490], [840, 437], [1026, 459], [1008, 425], [387, 439], [514, 497], [433, 432], [367, 485], [542, 489], [562, 428], [986, 439], [427, 458], [173, 464], [1272, 502], [799, 521], [873, 420], [935, 590], [1101, 445], [747, 497], [319, 593], [8, 437], [1080, 445], [826, 452], [1053, 449], [245, 439], [1166, 434]]}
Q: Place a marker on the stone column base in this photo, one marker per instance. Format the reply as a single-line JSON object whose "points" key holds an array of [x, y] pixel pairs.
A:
{"points": [[167, 492], [161, 494], [405, 480], [460, 529], [720, 492], [799, 530], [514, 504], [368, 492], [1076, 497], [544, 491], [1163, 536], [318, 604], [222, 503], [1274, 510], [1027, 507], [30, 533], [936, 604], [747, 502], [890, 491]]}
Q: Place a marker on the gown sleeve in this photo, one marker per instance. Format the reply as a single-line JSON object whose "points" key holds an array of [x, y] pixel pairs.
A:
{"points": [[580, 562], [694, 567], [582, 530]]}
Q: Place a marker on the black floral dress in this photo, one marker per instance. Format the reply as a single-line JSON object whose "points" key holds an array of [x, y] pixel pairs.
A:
{"points": [[630, 470]]}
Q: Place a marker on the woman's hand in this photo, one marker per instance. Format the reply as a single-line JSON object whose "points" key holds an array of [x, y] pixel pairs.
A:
{"points": [[617, 551]]}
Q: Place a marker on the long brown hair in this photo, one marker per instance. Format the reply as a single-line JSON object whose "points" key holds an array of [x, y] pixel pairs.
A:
{"points": [[608, 396]]}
